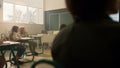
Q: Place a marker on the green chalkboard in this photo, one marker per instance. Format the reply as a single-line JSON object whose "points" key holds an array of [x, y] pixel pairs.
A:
{"points": [[54, 22], [66, 18], [54, 18]]}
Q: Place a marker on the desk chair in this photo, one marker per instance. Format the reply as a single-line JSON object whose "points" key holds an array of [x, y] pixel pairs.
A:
{"points": [[46, 64], [23, 42], [47, 40], [2, 61], [4, 49], [3, 37]]}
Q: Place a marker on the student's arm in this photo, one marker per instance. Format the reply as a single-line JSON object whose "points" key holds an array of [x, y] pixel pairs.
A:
{"points": [[16, 36]]}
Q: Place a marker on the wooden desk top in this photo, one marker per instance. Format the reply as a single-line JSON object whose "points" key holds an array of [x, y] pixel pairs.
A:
{"points": [[26, 38], [6, 43]]}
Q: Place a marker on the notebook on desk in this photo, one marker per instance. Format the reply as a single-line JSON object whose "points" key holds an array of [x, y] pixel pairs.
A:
{"points": [[10, 42]]}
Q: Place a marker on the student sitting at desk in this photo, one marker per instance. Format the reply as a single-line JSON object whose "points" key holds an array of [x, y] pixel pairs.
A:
{"points": [[14, 36], [23, 33]]}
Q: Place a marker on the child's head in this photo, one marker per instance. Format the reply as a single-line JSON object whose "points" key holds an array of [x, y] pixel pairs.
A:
{"points": [[88, 9]]}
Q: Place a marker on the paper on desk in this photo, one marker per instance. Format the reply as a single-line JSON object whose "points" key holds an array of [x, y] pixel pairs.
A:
{"points": [[10, 42]]}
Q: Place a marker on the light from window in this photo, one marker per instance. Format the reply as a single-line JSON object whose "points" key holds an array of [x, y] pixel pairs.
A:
{"points": [[41, 16], [115, 17], [21, 14], [33, 15], [8, 12]]}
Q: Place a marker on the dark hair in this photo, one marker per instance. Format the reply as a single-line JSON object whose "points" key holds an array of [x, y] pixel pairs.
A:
{"points": [[87, 9], [14, 29], [62, 26]]}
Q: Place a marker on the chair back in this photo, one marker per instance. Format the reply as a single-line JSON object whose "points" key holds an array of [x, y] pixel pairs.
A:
{"points": [[48, 38], [50, 32], [55, 32], [3, 37], [46, 64]]}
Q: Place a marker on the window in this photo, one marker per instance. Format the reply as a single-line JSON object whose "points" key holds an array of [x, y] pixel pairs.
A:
{"points": [[115, 17], [22, 13], [8, 12], [41, 16], [33, 15]]}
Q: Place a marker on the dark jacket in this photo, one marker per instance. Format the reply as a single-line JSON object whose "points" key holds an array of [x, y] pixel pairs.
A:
{"points": [[93, 44]]}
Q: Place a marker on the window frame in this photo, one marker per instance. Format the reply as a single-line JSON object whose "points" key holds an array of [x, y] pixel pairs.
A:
{"points": [[14, 15]]}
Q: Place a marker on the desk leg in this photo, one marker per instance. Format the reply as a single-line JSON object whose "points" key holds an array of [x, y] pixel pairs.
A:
{"points": [[3, 54], [12, 51], [40, 45], [37, 42], [31, 49]]}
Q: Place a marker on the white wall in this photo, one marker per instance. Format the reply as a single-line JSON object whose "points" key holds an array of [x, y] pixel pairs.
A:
{"points": [[54, 4], [1, 11], [31, 28]]}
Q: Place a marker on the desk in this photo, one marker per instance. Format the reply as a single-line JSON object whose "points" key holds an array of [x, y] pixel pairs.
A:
{"points": [[11, 44], [39, 42], [24, 40]]}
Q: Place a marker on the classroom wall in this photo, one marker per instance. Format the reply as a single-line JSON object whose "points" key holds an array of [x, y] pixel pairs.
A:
{"points": [[54, 4], [31, 28], [1, 11], [47, 4]]}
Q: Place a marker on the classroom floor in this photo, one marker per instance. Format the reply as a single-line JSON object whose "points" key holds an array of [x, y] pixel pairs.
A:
{"points": [[46, 55]]}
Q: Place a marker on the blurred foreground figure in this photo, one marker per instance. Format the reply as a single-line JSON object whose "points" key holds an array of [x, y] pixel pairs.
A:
{"points": [[2, 59], [92, 41]]}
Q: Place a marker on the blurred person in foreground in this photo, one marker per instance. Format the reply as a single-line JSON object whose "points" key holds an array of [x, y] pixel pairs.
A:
{"points": [[92, 41], [2, 59], [62, 26]]}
